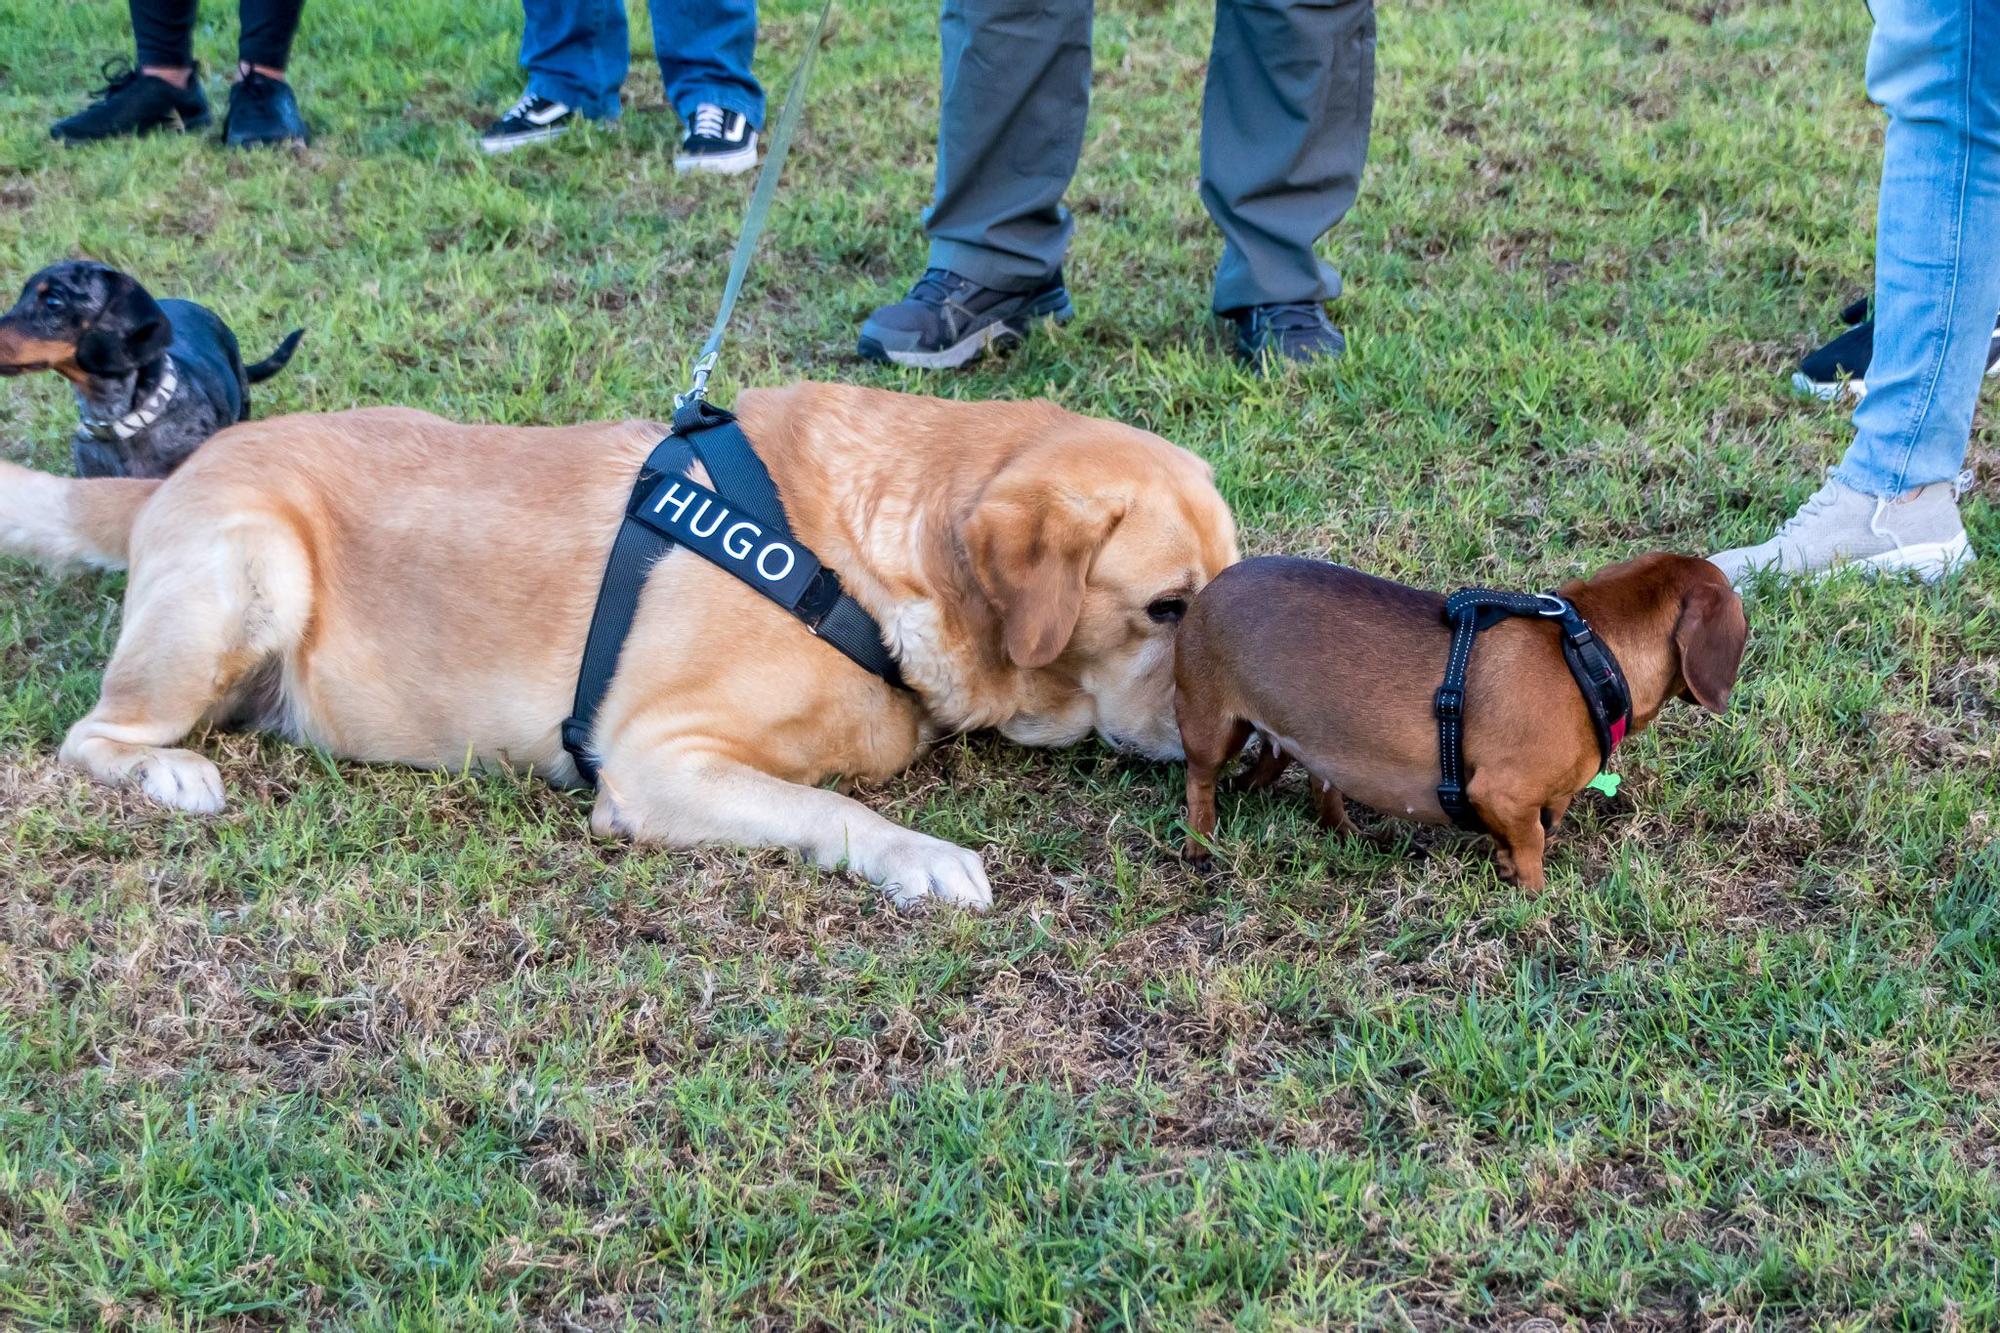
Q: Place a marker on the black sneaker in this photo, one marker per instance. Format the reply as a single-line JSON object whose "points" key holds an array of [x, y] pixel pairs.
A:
{"points": [[1842, 365], [719, 141], [135, 103], [1291, 331], [531, 120], [947, 320], [263, 111]]}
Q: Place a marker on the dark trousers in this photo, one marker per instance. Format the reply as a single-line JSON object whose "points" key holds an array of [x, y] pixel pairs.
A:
{"points": [[164, 31], [1284, 135]]}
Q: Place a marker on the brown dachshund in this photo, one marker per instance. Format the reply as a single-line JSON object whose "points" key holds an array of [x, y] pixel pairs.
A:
{"points": [[1337, 669]]}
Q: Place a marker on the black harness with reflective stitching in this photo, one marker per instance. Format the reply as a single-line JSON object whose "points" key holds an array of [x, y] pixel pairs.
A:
{"points": [[740, 527], [1598, 678]]}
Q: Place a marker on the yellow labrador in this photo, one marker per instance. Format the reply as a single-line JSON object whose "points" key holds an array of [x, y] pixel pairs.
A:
{"points": [[400, 588]]}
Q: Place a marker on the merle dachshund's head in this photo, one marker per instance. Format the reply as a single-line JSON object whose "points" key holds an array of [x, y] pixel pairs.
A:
{"points": [[83, 321]]}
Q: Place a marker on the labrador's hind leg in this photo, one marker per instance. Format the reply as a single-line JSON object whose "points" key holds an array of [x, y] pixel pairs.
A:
{"points": [[200, 613]]}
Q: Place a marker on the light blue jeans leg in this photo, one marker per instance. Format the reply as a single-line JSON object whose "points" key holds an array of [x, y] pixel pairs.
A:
{"points": [[576, 51], [705, 48], [1935, 66]]}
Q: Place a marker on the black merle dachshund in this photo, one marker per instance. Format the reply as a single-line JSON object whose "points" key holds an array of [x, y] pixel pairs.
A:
{"points": [[153, 378]]}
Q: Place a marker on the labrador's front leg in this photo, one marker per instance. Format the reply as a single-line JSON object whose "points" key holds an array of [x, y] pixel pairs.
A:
{"points": [[689, 801]]}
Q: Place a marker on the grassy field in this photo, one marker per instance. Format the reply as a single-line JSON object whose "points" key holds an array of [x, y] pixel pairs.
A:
{"points": [[390, 1050]]}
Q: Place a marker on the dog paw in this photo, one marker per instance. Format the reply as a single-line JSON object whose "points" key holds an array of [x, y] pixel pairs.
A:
{"points": [[919, 870], [182, 780]]}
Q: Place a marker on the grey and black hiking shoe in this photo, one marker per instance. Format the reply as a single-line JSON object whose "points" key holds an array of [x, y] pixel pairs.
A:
{"points": [[947, 320], [1289, 331], [135, 103]]}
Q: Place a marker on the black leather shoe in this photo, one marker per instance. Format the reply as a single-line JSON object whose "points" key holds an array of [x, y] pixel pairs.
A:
{"points": [[262, 110], [948, 319], [1291, 331], [135, 103]]}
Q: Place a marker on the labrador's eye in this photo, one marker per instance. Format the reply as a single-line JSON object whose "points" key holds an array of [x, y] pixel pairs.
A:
{"points": [[53, 301], [1167, 610]]}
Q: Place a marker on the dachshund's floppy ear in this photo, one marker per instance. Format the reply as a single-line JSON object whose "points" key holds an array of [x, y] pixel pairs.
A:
{"points": [[1710, 634], [1031, 540], [128, 332]]}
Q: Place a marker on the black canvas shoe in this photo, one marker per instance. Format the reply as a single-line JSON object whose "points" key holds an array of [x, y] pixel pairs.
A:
{"points": [[263, 111], [1292, 331], [531, 120], [719, 141], [135, 103], [947, 320], [1842, 365]]}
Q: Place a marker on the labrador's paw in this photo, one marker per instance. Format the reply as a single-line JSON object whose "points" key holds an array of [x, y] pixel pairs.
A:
{"points": [[182, 780], [917, 870]]}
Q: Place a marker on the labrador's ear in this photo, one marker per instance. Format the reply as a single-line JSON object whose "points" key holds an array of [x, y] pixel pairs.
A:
{"points": [[128, 332], [1710, 636], [1031, 540]]}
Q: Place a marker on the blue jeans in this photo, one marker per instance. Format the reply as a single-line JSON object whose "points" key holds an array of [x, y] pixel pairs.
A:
{"points": [[1935, 66], [577, 51]]}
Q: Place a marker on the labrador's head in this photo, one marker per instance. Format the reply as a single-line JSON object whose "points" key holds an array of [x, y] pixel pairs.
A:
{"points": [[1088, 545]]}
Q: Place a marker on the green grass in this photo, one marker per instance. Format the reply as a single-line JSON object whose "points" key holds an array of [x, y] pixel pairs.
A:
{"points": [[391, 1050]]}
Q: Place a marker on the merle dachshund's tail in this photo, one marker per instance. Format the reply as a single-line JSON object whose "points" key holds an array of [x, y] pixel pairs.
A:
{"points": [[65, 521], [277, 360]]}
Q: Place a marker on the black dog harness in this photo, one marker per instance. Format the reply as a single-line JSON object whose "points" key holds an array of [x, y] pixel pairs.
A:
{"points": [[739, 527], [1598, 678]]}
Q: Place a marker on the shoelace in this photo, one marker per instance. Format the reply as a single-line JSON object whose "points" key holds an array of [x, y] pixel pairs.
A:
{"points": [[1303, 315], [527, 107], [118, 75], [708, 121], [258, 85], [1816, 504], [935, 287]]}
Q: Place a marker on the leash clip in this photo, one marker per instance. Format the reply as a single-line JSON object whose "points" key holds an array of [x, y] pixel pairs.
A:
{"points": [[697, 389]]}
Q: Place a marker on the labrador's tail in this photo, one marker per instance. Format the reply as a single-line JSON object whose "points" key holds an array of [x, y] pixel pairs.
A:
{"points": [[67, 521]]}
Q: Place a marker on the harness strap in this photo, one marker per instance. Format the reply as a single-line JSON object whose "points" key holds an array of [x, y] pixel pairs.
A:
{"points": [[634, 552], [746, 535], [1598, 678]]}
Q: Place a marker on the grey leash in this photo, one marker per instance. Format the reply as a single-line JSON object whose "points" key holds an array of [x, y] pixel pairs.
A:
{"points": [[760, 209], [667, 506]]}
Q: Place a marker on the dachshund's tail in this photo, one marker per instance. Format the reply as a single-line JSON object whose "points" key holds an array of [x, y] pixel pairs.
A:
{"points": [[66, 521], [277, 360]]}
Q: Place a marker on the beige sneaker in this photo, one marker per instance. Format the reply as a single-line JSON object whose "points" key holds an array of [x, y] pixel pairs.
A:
{"points": [[1918, 532]]}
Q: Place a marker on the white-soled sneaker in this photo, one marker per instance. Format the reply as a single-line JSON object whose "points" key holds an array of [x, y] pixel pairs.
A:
{"points": [[1918, 532], [719, 141], [531, 120]]}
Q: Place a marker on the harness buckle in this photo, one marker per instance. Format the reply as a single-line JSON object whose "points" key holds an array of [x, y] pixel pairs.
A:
{"points": [[1450, 702], [818, 600]]}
